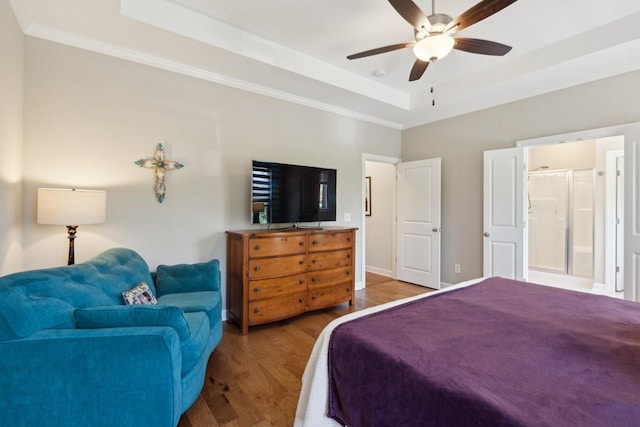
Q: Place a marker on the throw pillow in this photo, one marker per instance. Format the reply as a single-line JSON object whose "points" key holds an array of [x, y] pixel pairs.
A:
{"points": [[205, 276], [139, 294]]}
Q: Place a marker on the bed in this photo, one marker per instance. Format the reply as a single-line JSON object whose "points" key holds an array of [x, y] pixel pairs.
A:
{"points": [[487, 352]]}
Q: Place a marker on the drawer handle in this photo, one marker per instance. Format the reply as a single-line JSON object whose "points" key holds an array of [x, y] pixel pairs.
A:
{"points": [[349, 239], [348, 289], [314, 297], [314, 261], [301, 261], [301, 300], [348, 273], [314, 280], [301, 243], [302, 281], [257, 268], [257, 248], [348, 255], [257, 290], [257, 310], [315, 243]]}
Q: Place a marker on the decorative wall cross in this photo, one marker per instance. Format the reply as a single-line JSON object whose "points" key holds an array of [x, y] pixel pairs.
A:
{"points": [[159, 165]]}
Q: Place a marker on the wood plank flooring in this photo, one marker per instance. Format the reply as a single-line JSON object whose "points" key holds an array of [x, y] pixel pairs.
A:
{"points": [[254, 380]]}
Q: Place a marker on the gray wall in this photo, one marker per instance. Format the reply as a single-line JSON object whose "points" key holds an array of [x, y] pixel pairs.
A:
{"points": [[11, 75], [461, 141], [88, 117]]}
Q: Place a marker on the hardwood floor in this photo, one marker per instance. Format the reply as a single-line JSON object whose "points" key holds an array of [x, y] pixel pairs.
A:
{"points": [[254, 380]]}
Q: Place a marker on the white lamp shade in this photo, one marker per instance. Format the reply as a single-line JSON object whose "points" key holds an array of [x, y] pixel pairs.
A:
{"points": [[71, 207], [433, 47]]}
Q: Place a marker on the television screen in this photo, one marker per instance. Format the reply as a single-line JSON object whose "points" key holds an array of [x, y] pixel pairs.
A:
{"points": [[284, 193]]}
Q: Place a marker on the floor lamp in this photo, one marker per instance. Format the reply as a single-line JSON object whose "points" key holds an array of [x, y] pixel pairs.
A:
{"points": [[71, 207]]}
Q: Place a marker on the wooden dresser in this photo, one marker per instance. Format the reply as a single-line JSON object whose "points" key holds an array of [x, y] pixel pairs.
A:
{"points": [[273, 275]]}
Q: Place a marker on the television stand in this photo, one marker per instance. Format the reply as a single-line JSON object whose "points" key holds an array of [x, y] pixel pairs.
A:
{"points": [[274, 276]]}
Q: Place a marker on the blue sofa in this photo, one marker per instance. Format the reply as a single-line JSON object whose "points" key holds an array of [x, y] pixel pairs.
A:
{"points": [[72, 354]]}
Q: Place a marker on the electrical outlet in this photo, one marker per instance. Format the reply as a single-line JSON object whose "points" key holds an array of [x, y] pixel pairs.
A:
{"points": [[456, 268], [347, 217]]}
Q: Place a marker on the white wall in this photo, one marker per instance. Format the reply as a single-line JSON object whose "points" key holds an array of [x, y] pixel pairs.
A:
{"points": [[460, 142], [89, 117], [379, 227], [11, 78]]}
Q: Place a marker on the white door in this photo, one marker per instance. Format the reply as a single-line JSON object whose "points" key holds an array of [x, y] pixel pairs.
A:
{"points": [[503, 221], [632, 213], [418, 222]]}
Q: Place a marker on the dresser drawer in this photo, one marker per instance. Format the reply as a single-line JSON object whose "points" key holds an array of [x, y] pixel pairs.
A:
{"points": [[330, 241], [272, 309], [328, 296], [335, 259], [322, 278], [266, 268], [277, 246], [280, 286]]}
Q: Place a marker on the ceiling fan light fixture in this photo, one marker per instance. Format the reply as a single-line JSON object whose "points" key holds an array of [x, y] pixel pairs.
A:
{"points": [[433, 47]]}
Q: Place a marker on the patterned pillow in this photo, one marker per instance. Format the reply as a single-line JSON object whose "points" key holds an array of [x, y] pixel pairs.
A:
{"points": [[140, 294]]}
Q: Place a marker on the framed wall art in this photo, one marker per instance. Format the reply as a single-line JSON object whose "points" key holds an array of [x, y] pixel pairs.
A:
{"points": [[367, 195]]}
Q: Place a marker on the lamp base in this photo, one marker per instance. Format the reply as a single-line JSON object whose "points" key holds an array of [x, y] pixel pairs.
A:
{"points": [[71, 229]]}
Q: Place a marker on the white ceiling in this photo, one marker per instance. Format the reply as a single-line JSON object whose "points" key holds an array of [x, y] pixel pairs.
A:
{"points": [[296, 49]]}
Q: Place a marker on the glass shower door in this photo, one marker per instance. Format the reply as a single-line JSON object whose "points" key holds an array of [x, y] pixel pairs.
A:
{"points": [[548, 221]]}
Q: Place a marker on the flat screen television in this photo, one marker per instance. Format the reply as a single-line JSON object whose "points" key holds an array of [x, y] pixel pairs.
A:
{"points": [[283, 193]]}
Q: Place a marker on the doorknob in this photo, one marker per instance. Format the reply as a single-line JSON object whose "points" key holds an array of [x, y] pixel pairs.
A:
{"points": [[486, 234], [435, 229]]}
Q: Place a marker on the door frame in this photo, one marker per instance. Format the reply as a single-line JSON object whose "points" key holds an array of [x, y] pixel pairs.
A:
{"points": [[611, 261], [367, 157]]}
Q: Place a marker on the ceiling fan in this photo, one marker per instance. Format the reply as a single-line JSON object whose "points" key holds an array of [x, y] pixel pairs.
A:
{"points": [[434, 34]]}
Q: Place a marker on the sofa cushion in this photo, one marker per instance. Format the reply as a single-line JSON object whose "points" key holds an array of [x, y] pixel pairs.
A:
{"points": [[17, 318], [139, 294], [203, 276], [195, 345], [206, 301], [137, 315]]}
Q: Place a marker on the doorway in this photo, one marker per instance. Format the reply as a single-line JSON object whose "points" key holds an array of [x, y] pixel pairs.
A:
{"points": [[401, 219], [511, 196], [568, 224], [379, 219]]}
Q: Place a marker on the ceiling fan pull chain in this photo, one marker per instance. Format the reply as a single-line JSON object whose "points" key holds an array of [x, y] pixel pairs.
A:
{"points": [[433, 79]]}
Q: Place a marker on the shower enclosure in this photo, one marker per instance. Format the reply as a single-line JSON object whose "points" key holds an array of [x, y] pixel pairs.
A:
{"points": [[560, 206]]}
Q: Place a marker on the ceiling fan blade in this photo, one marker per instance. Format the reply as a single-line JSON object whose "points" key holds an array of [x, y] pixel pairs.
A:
{"points": [[411, 13], [418, 69], [380, 50], [482, 47], [477, 13]]}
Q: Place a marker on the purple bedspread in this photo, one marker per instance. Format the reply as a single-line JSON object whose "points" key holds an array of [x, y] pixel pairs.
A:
{"points": [[498, 353]]}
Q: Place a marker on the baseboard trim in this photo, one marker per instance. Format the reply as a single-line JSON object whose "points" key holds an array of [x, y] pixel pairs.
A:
{"points": [[380, 271]]}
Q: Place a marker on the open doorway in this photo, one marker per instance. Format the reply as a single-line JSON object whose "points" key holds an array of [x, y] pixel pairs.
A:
{"points": [[401, 220], [378, 216], [379, 221], [574, 215], [504, 210]]}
